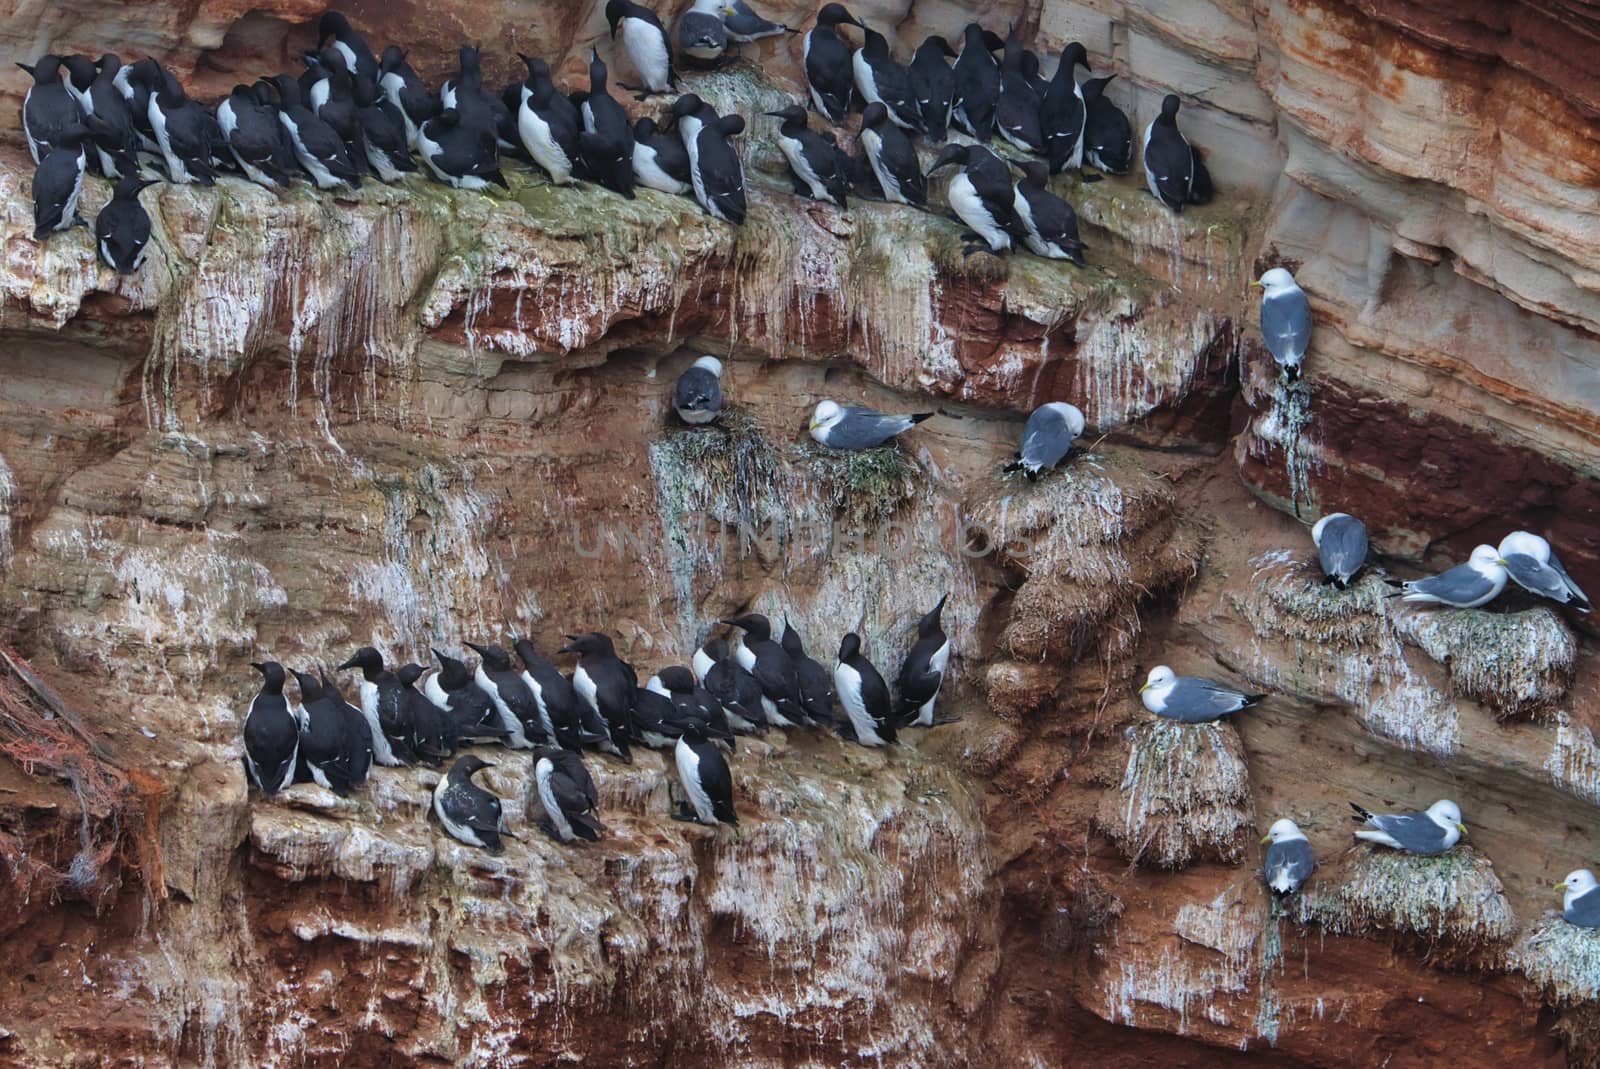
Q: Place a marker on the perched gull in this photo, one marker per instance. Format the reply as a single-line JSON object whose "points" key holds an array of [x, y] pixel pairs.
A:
{"points": [[1581, 907], [1466, 586], [1341, 541], [858, 427], [698, 396], [1531, 563], [1047, 438], [1285, 320], [1190, 700], [1432, 831], [1289, 858], [744, 25]]}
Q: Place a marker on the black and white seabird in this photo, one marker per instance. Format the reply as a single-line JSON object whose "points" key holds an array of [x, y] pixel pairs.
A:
{"points": [[706, 780], [476, 105], [1107, 133], [818, 168], [1064, 114], [657, 718], [406, 91], [1016, 111], [432, 734], [732, 685], [864, 694], [892, 157], [697, 397], [319, 148], [49, 109], [922, 672], [933, 85], [122, 229], [1049, 224], [1190, 699], [548, 124], [329, 91], [1285, 320], [1047, 438], [183, 129], [512, 698], [715, 170], [1341, 542], [702, 36], [389, 715], [1536, 568], [358, 57], [271, 733], [606, 683], [333, 740], [363, 735], [606, 144], [567, 793], [1466, 586], [644, 39], [255, 137], [1431, 831], [468, 812], [982, 196], [133, 81], [879, 79], [1168, 159], [561, 711], [763, 657], [852, 427], [692, 700], [815, 683], [383, 132], [829, 64], [113, 149], [660, 159], [58, 183], [977, 82], [1289, 858], [744, 25], [454, 690], [1580, 903], [461, 154]]}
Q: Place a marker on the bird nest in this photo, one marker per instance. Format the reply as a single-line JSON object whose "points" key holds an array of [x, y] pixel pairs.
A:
{"points": [[1563, 962], [1184, 797], [1519, 664], [1450, 903], [865, 487]]}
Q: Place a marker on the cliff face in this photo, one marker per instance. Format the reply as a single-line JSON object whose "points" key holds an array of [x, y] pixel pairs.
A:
{"points": [[411, 417]]}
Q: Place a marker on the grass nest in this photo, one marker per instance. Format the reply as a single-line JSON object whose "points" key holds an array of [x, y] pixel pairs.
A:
{"points": [[1563, 962], [1519, 664], [1450, 904], [1185, 796], [866, 487]]}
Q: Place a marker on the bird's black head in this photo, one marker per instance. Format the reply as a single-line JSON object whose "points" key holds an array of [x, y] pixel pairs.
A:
{"points": [[616, 11], [597, 72], [470, 58], [835, 14], [1169, 108], [716, 649], [1075, 55], [81, 70], [538, 69], [929, 624], [494, 658], [332, 24], [109, 62], [793, 113], [452, 672], [365, 658], [284, 88], [392, 57], [130, 185], [1095, 88], [409, 674], [526, 650], [310, 689], [272, 675], [644, 128], [757, 625], [466, 766], [992, 42], [676, 678], [792, 643], [686, 105], [730, 125], [940, 45], [694, 729], [875, 115], [593, 644], [448, 119], [1036, 173], [849, 646], [951, 153]]}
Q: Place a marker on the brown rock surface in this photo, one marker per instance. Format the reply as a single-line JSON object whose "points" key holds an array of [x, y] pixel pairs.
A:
{"points": [[411, 417]]}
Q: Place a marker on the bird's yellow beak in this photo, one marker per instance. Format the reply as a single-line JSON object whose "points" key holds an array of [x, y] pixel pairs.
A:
{"points": [[1265, 839], [1502, 562], [1257, 284], [1561, 887], [1144, 688], [1462, 828]]}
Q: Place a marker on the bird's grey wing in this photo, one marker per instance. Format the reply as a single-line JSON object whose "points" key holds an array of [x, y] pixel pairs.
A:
{"points": [[1539, 578], [1045, 440], [1344, 546], [1577, 591], [1286, 326], [698, 390], [864, 428], [1294, 856], [1585, 911], [1413, 831], [1196, 701], [699, 30], [746, 23], [1460, 585]]}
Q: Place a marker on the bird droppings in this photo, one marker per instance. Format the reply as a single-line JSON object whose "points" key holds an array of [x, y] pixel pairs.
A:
{"points": [[1185, 796], [1519, 664], [1563, 962]]}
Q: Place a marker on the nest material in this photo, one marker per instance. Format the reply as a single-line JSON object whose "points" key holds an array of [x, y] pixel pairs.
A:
{"points": [[864, 487], [1519, 664], [1563, 962], [1451, 903], [1184, 797]]}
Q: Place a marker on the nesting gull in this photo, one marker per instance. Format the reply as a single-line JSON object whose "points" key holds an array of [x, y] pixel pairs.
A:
{"points": [[744, 25], [1047, 438], [858, 427], [1466, 586], [1289, 858], [1285, 320], [1189, 699], [1581, 907], [1341, 542], [698, 396], [1433, 831], [1529, 560]]}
